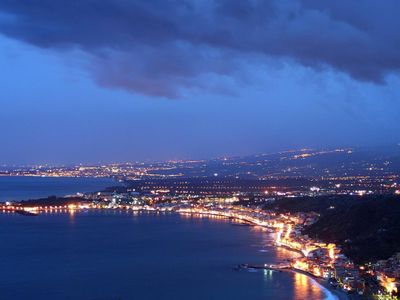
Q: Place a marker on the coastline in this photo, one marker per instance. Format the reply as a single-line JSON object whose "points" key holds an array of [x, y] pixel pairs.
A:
{"points": [[332, 293]]}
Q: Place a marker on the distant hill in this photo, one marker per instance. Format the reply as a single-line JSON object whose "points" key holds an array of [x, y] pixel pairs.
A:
{"points": [[377, 161]]}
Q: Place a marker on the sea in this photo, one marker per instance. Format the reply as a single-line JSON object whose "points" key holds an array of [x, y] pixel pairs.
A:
{"points": [[24, 188], [126, 255]]}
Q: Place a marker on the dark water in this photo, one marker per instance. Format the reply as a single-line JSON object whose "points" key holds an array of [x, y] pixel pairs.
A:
{"points": [[110, 255], [22, 188]]}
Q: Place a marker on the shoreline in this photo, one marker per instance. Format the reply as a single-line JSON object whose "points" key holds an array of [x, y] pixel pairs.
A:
{"points": [[324, 285]]}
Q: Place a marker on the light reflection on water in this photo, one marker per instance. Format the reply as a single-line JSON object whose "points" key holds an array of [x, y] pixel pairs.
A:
{"points": [[306, 288]]}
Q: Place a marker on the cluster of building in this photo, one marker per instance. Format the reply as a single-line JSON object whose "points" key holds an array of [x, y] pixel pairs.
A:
{"points": [[120, 171], [323, 260], [387, 273]]}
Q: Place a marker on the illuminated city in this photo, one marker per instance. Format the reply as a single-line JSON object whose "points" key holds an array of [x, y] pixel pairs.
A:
{"points": [[199, 150]]}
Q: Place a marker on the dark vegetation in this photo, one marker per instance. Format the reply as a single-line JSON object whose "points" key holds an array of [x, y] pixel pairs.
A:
{"points": [[367, 228], [52, 201]]}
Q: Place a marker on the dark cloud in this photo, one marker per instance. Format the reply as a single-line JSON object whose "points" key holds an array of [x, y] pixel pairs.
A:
{"points": [[161, 47]]}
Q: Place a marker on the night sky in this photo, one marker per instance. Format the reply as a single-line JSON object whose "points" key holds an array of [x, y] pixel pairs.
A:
{"points": [[116, 80]]}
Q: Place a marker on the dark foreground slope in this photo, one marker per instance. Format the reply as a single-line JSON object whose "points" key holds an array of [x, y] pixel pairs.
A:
{"points": [[368, 228]]}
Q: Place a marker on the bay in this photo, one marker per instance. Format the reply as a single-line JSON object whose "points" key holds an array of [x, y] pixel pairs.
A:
{"points": [[121, 255]]}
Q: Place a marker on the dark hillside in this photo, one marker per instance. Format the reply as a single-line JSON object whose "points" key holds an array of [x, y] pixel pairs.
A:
{"points": [[368, 228]]}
